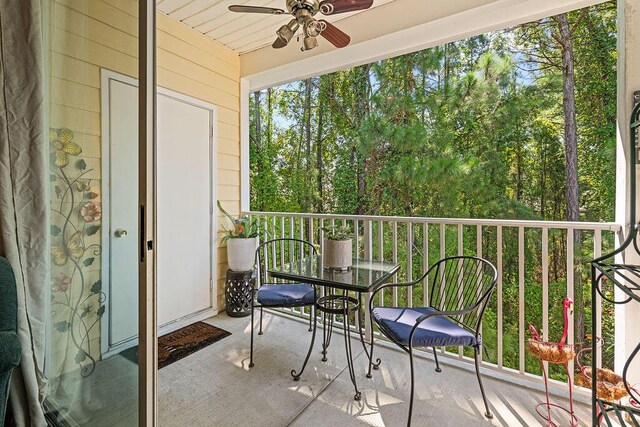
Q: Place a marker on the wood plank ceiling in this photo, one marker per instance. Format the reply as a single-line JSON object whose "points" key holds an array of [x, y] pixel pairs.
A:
{"points": [[241, 32]]}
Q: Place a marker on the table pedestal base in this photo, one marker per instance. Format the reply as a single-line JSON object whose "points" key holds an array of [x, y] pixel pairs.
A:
{"points": [[339, 305]]}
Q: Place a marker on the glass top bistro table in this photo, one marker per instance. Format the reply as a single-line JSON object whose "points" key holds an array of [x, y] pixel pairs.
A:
{"points": [[362, 277]]}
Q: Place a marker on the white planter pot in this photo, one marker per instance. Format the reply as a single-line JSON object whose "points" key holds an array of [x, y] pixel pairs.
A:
{"points": [[241, 253], [337, 254]]}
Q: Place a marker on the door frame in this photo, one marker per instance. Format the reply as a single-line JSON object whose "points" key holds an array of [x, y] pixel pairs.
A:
{"points": [[106, 76], [147, 289]]}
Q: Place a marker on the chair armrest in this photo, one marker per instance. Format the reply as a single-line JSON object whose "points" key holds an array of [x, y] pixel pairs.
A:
{"points": [[10, 351], [387, 285], [396, 285]]}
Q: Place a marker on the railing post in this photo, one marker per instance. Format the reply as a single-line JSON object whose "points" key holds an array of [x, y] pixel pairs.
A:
{"points": [[395, 261], [368, 240], [460, 281], [381, 253], [479, 255], [425, 262], [570, 286], [368, 254], [545, 287], [321, 235], [499, 305], [597, 253], [521, 294], [409, 263]]}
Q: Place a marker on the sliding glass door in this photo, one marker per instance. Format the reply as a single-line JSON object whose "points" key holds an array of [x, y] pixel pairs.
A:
{"points": [[98, 365]]}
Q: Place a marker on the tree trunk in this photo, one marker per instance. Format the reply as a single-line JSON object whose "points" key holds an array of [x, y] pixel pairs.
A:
{"points": [[363, 94], [269, 117], [447, 69], [519, 177], [258, 121], [571, 158], [307, 139], [319, 166]]}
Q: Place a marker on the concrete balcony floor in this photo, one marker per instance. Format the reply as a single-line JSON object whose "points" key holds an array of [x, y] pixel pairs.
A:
{"points": [[215, 386]]}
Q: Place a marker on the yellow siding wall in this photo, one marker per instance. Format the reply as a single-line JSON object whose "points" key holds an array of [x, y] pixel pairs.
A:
{"points": [[87, 35]]}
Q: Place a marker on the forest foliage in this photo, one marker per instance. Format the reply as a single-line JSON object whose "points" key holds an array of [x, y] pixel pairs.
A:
{"points": [[513, 124]]}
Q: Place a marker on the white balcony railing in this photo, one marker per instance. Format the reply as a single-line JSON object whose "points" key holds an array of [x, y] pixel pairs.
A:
{"points": [[537, 262]]}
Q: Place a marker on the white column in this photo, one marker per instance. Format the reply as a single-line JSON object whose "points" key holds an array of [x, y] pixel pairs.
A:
{"points": [[244, 145], [627, 316]]}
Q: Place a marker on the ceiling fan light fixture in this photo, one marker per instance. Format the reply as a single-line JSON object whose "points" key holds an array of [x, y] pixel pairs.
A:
{"points": [[286, 32], [309, 43], [304, 13], [312, 28]]}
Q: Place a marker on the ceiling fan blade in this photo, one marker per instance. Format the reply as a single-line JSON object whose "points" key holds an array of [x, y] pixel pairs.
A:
{"points": [[332, 7], [335, 36], [255, 9], [279, 43]]}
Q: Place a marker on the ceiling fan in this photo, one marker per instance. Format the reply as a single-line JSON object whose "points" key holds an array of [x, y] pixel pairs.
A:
{"points": [[303, 12]]}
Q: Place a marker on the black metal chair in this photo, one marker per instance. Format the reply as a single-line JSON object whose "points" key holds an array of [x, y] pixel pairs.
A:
{"points": [[459, 289], [274, 293]]}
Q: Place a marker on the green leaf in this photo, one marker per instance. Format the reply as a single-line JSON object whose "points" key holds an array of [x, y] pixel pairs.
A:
{"points": [[81, 164], [55, 230], [81, 356], [101, 311], [63, 326], [53, 177], [96, 288], [87, 262], [91, 195], [91, 230]]}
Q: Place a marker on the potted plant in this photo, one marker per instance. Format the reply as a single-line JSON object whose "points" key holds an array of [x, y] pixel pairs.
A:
{"points": [[338, 247], [242, 241]]}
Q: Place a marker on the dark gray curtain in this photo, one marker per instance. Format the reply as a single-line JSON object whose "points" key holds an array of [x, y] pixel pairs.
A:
{"points": [[23, 194]]}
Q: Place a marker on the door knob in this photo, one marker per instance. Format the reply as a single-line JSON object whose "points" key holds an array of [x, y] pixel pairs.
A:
{"points": [[120, 232]]}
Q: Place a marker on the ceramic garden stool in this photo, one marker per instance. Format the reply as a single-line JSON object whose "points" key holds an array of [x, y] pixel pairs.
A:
{"points": [[237, 293]]}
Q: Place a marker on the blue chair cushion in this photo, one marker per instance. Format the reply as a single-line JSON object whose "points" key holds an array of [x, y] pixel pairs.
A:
{"points": [[435, 331], [286, 295]]}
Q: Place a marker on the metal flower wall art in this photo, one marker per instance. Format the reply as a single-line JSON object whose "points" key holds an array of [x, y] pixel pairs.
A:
{"points": [[78, 302]]}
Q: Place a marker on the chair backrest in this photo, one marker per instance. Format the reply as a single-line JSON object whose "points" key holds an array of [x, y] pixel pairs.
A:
{"points": [[277, 252], [8, 298], [461, 282]]}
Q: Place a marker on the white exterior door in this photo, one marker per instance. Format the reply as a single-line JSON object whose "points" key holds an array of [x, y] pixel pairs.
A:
{"points": [[184, 215], [184, 209]]}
